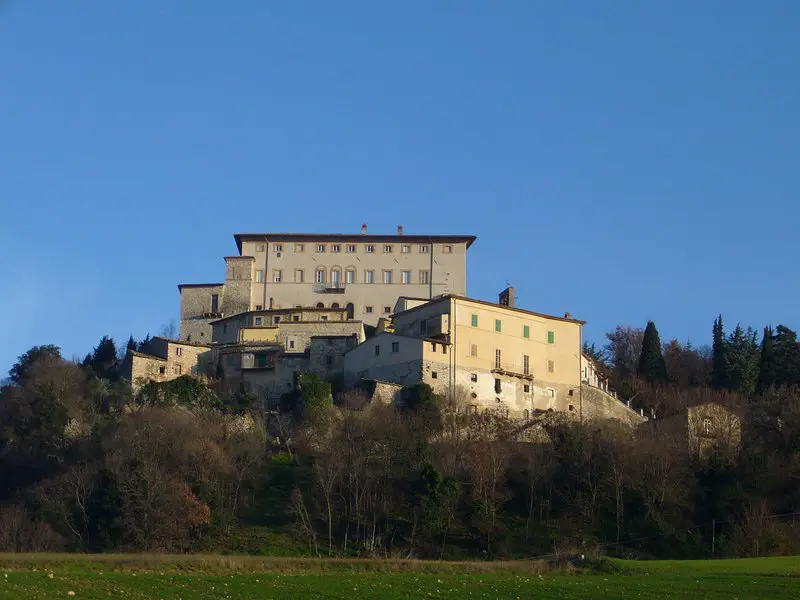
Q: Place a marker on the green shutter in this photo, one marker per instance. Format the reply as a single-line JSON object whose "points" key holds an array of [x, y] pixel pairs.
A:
{"points": [[526, 331], [498, 325], [551, 337], [474, 320]]}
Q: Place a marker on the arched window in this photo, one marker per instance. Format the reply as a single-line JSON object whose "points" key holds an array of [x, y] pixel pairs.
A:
{"points": [[526, 414], [320, 305], [335, 305], [336, 276]]}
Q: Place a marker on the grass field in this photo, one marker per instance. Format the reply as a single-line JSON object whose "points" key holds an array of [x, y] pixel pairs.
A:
{"points": [[193, 578]]}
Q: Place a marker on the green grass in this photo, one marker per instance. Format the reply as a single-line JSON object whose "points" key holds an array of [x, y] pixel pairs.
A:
{"points": [[194, 578]]}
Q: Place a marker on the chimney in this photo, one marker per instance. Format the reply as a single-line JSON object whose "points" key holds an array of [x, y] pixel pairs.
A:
{"points": [[363, 229], [567, 315], [399, 230], [507, 297]]}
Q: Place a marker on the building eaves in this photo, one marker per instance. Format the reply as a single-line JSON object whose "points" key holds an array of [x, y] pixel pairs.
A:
{"points": [[180, 342], [198, 285], [352, 237], [493, 305]]}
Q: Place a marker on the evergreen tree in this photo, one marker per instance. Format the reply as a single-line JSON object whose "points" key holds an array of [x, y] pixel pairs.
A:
{"points": [[104, 358], [787, 357], [741, 360], [766, 366], [652, 367], [132, 345], [718, 368]]}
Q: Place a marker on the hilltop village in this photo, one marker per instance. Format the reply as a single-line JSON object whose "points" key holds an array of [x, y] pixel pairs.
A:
{"points": [[377, 312]]}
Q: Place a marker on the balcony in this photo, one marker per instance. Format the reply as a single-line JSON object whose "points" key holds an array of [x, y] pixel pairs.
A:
{"points": [[332, 287], [502, 368]]}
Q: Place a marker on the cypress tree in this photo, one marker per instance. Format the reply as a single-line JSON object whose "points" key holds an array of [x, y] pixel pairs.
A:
{"points": [[651, 367], [766, 363], [719, 373], [741, 360], [787, 357]]}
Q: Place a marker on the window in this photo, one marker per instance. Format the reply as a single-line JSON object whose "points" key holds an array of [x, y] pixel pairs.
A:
{"points": [[291, 344], [162, 370], [473, 350], [350, 276], [299, 248], [320, 247], [526, 414], [387, 249], [277, 247], [498, 325], [369, 276], [395, 347], [277, 275], [526, 364], [298, 275], [526, 388], [474, 320], [551, 392], [328, 361], [259, 276], [336, 248], [259, 247], [319, 305], [387, 277], [571, 407], [214, 303], [526, 331], [323, 318], [336, 276], [387, 309], [335, 305], [369, 248], [319, 275], [178, 370], [551, 337], [405, 248], [296, 318], [424, 277], [178, 351], [551, 366], [447, 249], [498, 386], [473, 377], [405, 276], [276, 319], [258, 320], [351, 248], [377, 350], [434, 375], [424, 249], [497, 356], [259, 307], [368, 309], [433, 346], [444, 349], [707, 425]]}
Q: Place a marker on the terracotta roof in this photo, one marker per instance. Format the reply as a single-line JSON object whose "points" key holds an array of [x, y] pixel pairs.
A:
{"points": [[351, 237], [181, 342], [492, 304]]}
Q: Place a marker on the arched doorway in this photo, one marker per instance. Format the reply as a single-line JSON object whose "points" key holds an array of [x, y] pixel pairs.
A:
{"points": [[351, 311]]}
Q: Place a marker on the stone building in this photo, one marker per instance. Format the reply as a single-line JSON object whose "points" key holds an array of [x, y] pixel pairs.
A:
{"points": [[703, 429], [363, 273], [163, 359], [501, 356], [491, 356]]}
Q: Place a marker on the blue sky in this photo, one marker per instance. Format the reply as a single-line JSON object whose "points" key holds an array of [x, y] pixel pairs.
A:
{"points": [[624, 161]]}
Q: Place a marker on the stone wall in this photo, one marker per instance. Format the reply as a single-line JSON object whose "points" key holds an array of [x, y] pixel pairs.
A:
{"points": [[597, 404], [196, 311], [238, 283]]}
